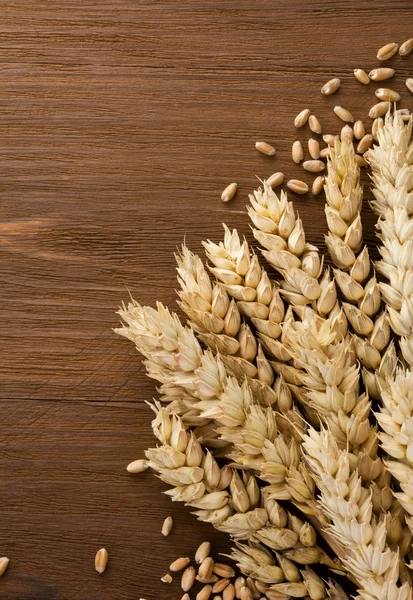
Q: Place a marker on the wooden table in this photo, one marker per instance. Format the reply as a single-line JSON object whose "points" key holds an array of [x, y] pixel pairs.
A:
{"points": [[121, 123]]}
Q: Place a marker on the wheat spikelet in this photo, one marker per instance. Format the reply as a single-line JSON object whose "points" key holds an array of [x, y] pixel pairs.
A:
{"points": [[344, 241], [391, 161], [368, 557]]}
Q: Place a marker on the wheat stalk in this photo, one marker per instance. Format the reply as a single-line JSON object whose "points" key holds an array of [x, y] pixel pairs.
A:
{"points": [[348, 505], [391, 161]]}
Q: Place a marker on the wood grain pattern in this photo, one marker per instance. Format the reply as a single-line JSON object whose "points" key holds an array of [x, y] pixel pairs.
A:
{"points": [[121, 123]]}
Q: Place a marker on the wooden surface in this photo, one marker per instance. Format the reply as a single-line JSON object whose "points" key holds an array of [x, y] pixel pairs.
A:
{"points": [[120, 124]]}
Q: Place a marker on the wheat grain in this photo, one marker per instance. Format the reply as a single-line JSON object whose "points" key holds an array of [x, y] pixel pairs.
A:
{"points": [[344, 114], [167, 526], [229, 192], [361, 76], [229, 592], [387, 51], [302, 117], [387, 94], [347, 133], [314, 166], [329, 139], [202, 552], [179, 564], [331, 86], [265, 148], [325, 152], [101, 560], [359, 130], [205, 593], [188, 579], [365, 143], [314, 148], [137, 466], [297, 152], [314, 124], [406, 47], [318, 185], [4, 563], [409, 84], [220, 585], [381, 73], [167, 578], [275, 179], [379, 109], [297, 186]]}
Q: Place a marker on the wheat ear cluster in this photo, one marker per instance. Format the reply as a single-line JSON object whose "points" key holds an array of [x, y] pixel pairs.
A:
{"points": [[265, 422]]}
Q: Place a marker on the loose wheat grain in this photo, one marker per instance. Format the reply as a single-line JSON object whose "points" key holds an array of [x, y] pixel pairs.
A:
{"points": [[406, 47], [265, 148], [302, 117], [167, 526], [229, 192], [387, 94], [344, 114], [314, 166], [297, 186], [381, 73], [101, 560], [361, 76], [314, 124], [331, 86], [387, 51], [297, 152]]}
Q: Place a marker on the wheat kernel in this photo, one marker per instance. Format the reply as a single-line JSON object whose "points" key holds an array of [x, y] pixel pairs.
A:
{"points": [[318, 184], [167, 526], [377, 124], [331, 86], [314, 166], [365, 143], [238, 585], [409, 84], [297, 186], [220, 585], [229, 192], [265, 148], [179, 564], [167, 578], [206, 568], [387, 94], [101, 560], [314, 124], [205, 593], [344, 114], [379, 109], [4, 563], [313, 148], [275, 179], [188, 578], [329, 139], [387, 51], [302, 118], [202, 552], [229, 592], [406, 47], [211, 579], [223, 570], [137, 466], [246, 593], [361, 76], [325, 152], [297, 152], [360, 160], [381, 73], [185, 597], [359, 130]]}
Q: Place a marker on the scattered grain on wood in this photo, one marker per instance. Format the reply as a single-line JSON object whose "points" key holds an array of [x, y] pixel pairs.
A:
{"points": [[297, 186], [179, 564], [344, 114], [275, 179], [318, 185], [347, 133], [365, 143], [167, 578], [409, 84], [381, 73], [302, 117], [379, 109], [265, 148], [359, 130], [4, 563], [101, 560], [387, 94], [167, 526], [406, 47], [229, 192], [361, 76], [387, 51], [297, 152], [188, 578], [314, 124], [137, 466], [314, 166], [331, 86], [313, 148]]}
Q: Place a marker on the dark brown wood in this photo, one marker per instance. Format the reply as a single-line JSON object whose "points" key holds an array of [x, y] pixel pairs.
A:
{"points": [[121, 122]]}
